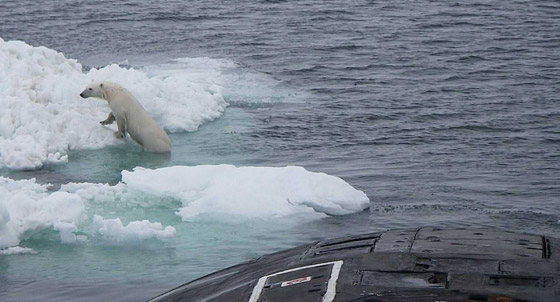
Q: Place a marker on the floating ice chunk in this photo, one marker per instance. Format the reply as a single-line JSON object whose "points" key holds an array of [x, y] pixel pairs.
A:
{"points": [[26, 206], [113, 229], [16, 250], [221, 192], [255, 192]]}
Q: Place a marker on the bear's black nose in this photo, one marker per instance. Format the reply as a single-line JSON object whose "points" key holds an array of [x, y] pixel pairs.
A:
{"points": [[81, 94]]}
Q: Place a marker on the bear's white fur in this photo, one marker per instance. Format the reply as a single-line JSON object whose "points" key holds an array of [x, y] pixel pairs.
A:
{"points": [[130, 116]]}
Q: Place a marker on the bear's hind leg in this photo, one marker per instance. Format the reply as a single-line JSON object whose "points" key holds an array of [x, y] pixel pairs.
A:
{"points": [[121, 124], [119, 134]]}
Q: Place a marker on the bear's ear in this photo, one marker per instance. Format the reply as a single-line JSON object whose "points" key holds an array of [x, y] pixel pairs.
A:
{"points": [[101, 85]]}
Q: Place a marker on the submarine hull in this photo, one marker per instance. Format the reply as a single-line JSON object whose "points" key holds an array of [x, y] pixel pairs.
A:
{"points": [[425, 264]]}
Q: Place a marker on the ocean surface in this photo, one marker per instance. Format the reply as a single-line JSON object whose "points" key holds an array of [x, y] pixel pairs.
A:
{"points": [[443, 113]]}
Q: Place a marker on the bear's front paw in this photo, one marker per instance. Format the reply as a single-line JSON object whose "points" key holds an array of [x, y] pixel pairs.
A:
{"points": [[119, 134]]}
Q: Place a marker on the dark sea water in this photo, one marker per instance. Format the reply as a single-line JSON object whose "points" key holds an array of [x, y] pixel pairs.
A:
{"points": [[442, 112]]}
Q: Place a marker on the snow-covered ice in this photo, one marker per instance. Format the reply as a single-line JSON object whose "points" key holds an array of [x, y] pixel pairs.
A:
{"points": [[42, 116], [26, 207], [256, 192], [78, 211]]}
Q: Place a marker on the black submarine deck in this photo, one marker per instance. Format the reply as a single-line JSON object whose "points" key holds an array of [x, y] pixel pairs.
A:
{"points": [[425, 264]]}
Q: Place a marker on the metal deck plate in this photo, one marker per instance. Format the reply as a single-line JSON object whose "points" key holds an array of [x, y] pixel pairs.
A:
{"points": [[421, 265]]}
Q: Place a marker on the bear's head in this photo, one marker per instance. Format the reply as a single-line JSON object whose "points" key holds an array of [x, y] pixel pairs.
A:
{"points": [[94, 89]]}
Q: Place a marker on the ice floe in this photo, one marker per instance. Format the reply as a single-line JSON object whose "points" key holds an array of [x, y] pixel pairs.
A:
{"points": [[42, 116], [82, 211], [256, 192]]}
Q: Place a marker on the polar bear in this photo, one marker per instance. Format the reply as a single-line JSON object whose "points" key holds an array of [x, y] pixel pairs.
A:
{"points": [[130, 116]]}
